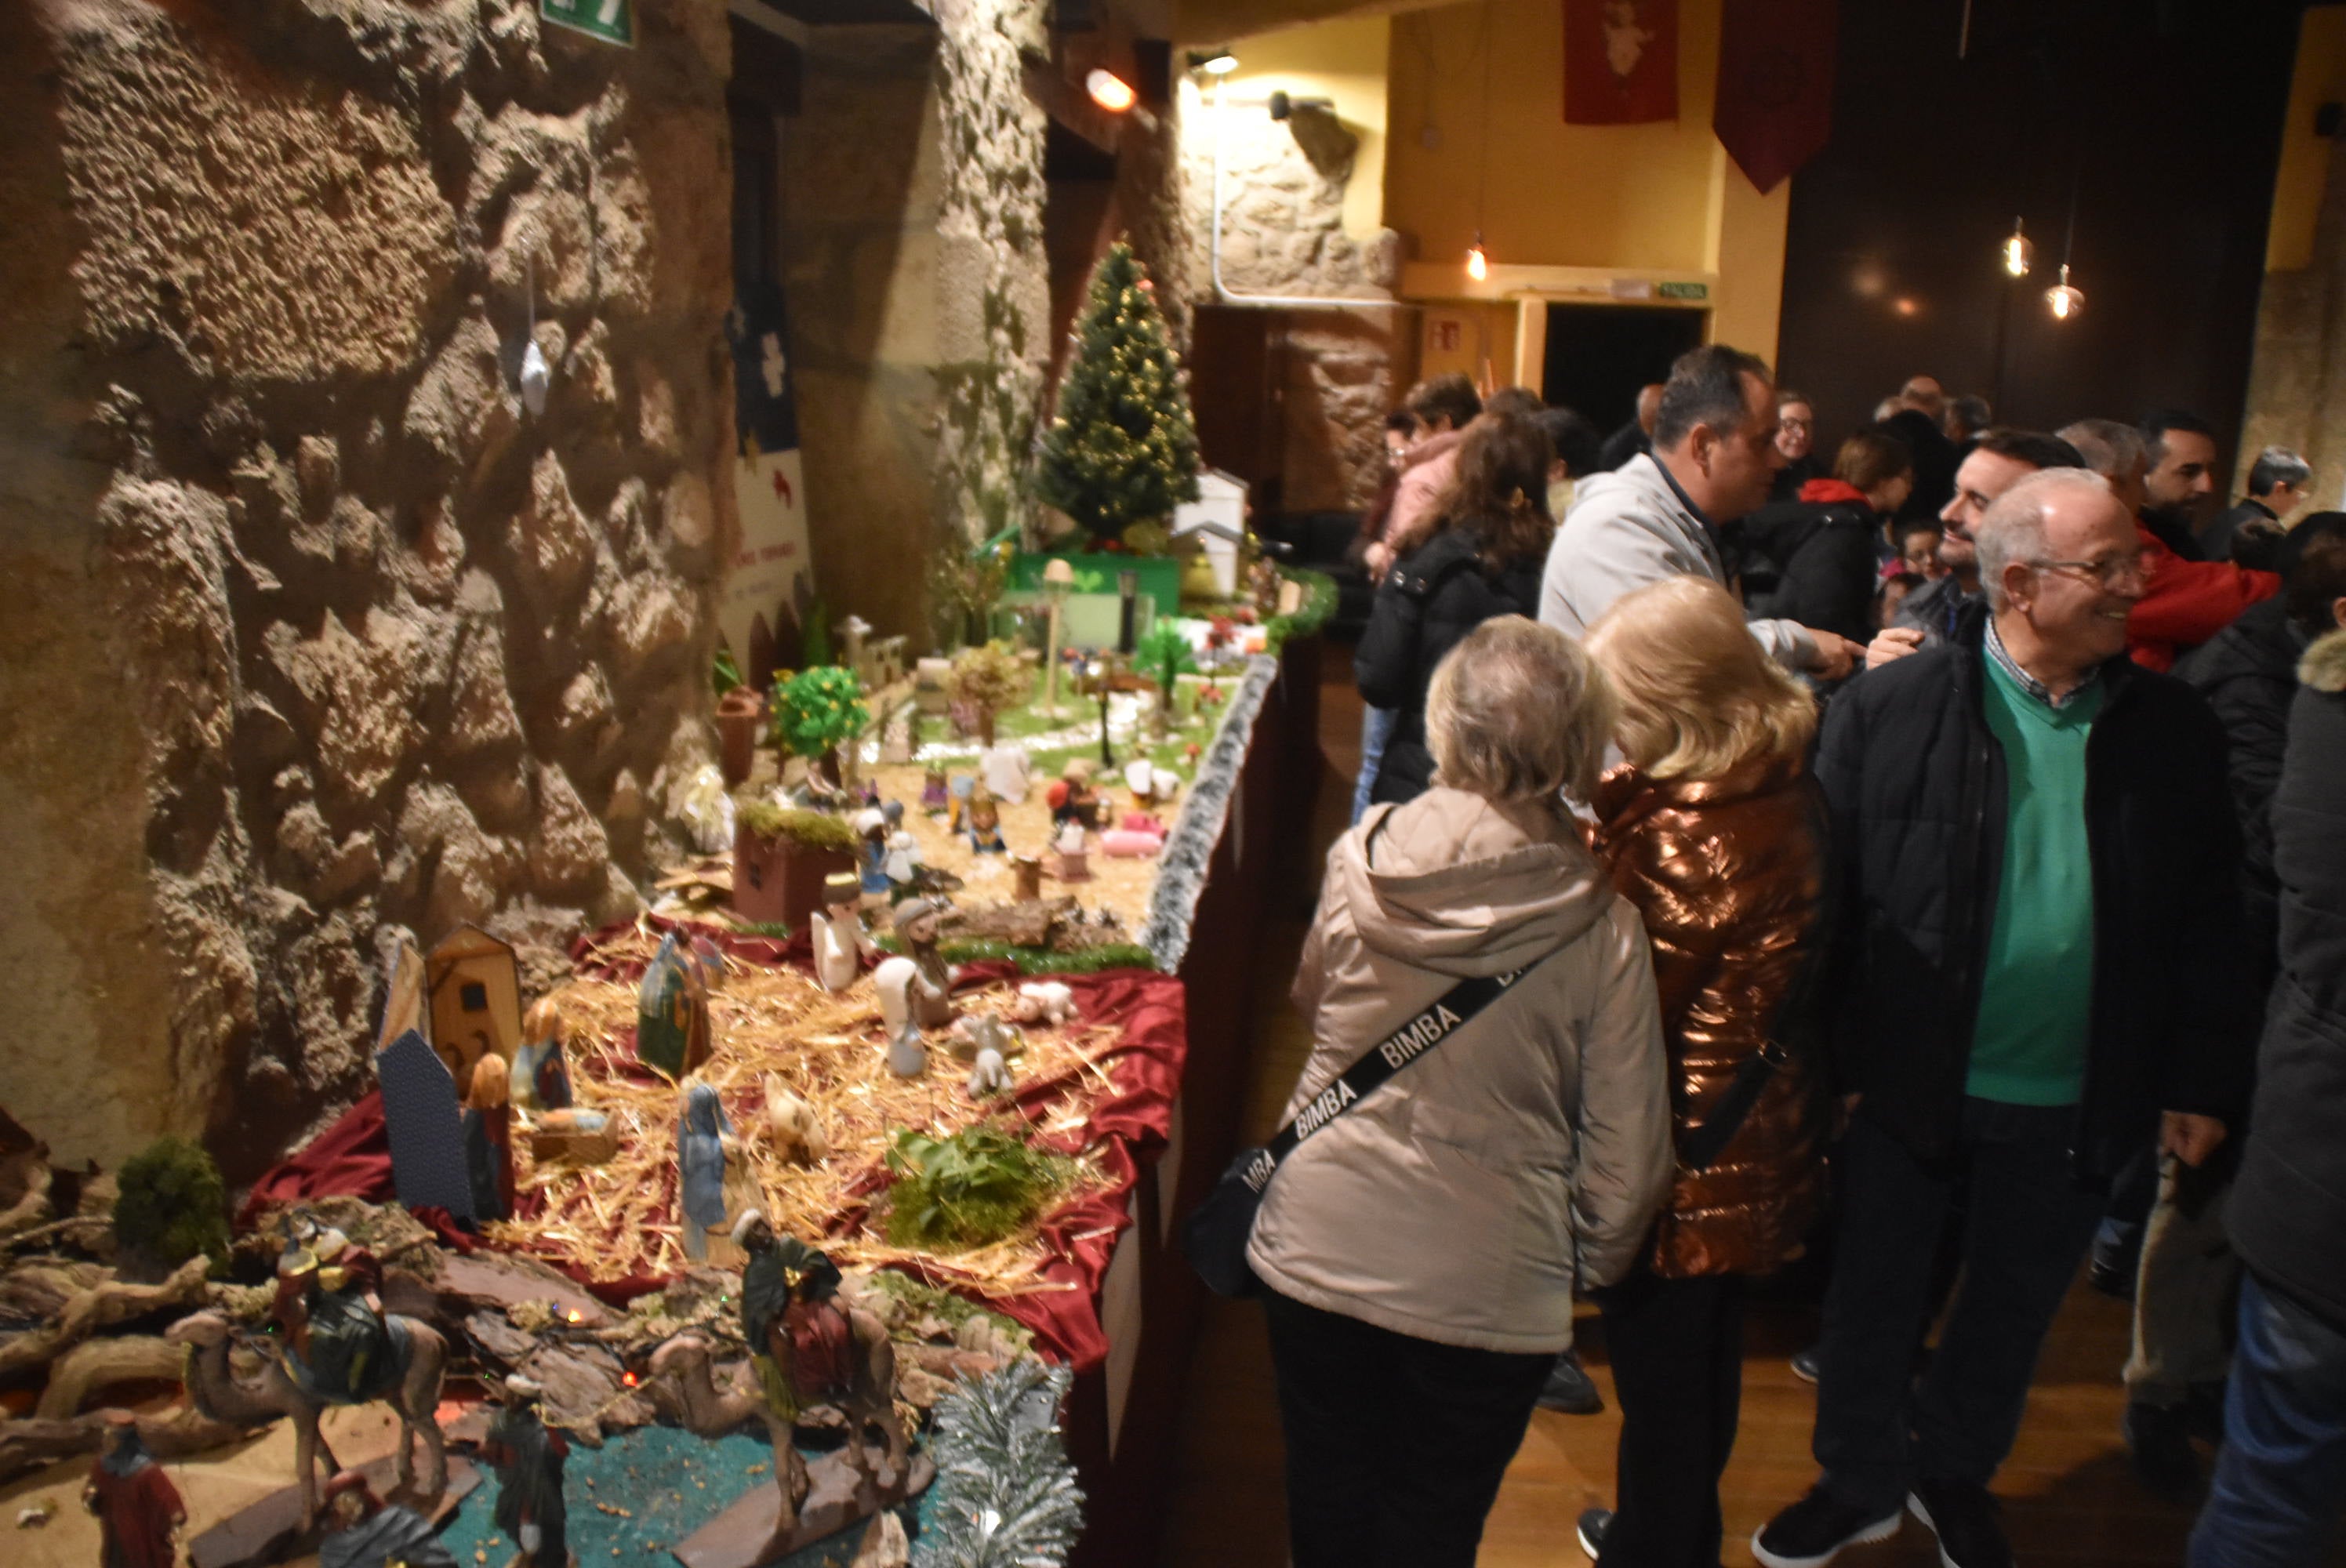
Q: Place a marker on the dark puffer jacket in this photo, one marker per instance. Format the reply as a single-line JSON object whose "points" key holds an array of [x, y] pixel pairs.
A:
{"points": [[1916, 783], [1424, 608], [1728, 874], [1811, 561], [2248, 673], [2287, 1215]]}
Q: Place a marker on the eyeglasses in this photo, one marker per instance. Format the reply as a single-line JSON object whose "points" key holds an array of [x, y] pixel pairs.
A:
{"points": [[2110, 574], [1796, 423]]}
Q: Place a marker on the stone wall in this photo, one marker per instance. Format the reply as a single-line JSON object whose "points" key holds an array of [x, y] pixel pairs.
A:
{"points": [[1283, 185], [322, 638]]}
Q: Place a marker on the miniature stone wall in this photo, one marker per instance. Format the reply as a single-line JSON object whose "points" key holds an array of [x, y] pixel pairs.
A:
{"points": [[319, 635], [1282, 199]]}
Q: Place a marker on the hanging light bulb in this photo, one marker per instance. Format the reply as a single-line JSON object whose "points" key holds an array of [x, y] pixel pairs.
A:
{"points": [[2017, 251], [2062, 300], [1478, 264]]}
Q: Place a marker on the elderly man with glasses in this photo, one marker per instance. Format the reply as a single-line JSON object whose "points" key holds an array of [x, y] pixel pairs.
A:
{"points": [[2036, 861]]}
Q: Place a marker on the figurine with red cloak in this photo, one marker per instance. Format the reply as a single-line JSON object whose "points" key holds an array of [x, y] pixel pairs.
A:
{"points": [[139, 1510]]}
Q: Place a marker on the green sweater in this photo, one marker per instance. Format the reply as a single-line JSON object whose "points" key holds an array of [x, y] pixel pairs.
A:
{"points": [[2037, 997]]}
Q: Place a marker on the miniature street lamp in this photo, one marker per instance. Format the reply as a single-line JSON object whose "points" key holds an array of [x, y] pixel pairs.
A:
{"points": [[1058, 578]]}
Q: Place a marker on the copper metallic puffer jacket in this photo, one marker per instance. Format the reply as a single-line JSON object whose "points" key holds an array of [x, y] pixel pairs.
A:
{"points": [[1728, 874]]}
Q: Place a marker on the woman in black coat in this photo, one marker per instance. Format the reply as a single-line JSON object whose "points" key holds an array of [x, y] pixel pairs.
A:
{"points": [[1484, 561], [2275, 1495], [1814, 560]]}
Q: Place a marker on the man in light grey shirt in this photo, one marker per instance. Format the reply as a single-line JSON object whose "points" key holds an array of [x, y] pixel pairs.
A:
{"points": [[1657, 516]]}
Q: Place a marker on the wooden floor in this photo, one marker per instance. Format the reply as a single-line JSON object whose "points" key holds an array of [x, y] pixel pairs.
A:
{"points": [[2068, 1496]]}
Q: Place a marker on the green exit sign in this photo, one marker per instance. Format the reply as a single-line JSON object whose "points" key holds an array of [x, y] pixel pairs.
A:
{"points": [[1684, 291], [612, 21]]}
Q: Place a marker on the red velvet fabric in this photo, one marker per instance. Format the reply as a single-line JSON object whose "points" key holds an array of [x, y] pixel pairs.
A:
{"points": [[1129, 1124]]}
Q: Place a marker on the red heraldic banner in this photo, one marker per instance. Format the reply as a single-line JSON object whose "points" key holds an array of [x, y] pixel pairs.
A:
{"points": [[1620, 61], [1774, 110]]}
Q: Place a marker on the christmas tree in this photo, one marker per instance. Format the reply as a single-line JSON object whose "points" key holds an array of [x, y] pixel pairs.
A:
{"points": [[1005, 1494], [1123, 449]]}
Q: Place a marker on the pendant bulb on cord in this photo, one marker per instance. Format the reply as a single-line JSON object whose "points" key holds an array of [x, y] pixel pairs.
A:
{"points": [[2017, 251], [1478, 261], [2062, 300]]}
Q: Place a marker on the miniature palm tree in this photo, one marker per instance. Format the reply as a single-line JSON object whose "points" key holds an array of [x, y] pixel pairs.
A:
{"points": [[987, 679], [1123, 449], [1163, 655]]}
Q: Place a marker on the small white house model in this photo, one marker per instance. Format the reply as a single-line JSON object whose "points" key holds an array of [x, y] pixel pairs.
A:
{"points": [[1215, 522]]}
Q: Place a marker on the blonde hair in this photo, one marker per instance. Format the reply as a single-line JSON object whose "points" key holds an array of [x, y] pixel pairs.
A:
{"points": [[1698, 696], [1517, 712], [492, 1084]]}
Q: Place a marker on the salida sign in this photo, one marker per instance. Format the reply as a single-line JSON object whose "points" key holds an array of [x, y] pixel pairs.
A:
{"points": [[612, 21]]}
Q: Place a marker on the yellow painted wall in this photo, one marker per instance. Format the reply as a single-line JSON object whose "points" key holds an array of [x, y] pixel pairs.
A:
{"points": [[2304, 171], [1544, 193], [1344, 61]]}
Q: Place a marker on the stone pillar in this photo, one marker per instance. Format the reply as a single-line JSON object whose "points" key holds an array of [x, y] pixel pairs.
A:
{"points": [[2297, 379]]}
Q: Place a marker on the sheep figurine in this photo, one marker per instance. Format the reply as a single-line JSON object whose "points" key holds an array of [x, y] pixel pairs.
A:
{"points": [[990, 1076], [791, 1127]]}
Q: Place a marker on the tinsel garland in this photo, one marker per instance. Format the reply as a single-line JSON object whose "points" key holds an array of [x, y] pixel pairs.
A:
{"points": [[1005, 1495]]}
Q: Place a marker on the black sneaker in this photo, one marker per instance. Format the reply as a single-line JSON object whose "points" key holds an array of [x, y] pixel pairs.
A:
{"points": [[2158, 1441], [1963, 1516], [1812, 1532], [1804, 1364], [1570, 1388], [1593, 1524]]}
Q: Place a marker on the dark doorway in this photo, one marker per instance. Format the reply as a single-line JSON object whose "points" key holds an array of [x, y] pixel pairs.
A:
{"points": [[1600, 355]]}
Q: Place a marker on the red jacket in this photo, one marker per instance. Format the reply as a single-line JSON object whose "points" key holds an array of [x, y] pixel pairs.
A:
{"points": [[2186, 602]]}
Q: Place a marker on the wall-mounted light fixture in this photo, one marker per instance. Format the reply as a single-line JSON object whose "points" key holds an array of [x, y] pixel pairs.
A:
{"points": [[1110, 91], [1213, 62]]}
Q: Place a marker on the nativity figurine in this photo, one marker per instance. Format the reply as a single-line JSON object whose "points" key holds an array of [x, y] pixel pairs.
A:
{"points": [[841, 939], [138, 1511], [916, 986], [364, 1531], [527, 1456]]}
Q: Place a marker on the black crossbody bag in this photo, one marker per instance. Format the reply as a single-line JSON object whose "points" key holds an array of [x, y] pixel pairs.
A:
{"points": [[1216, 1235]]}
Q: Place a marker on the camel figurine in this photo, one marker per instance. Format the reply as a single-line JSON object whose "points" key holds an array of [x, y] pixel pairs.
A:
{"points": [[796, 1326], [220, 1394]]}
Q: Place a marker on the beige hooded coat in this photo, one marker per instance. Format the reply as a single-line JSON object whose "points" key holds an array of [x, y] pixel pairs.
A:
{"points": [[1458, 1202]]}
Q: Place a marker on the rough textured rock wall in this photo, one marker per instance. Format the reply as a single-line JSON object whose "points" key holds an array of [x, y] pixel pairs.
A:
{"points": [[1283, 185], [379, 650], [993, 286]]}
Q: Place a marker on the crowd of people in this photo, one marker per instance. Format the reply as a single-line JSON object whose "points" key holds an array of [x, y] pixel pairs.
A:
{"points": [[1902, 858]]}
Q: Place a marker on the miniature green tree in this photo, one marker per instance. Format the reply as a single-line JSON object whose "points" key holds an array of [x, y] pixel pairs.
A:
{"points": [[172, 1205], [1122, 448], [1163, 655], [986, 679], [816, 711]]}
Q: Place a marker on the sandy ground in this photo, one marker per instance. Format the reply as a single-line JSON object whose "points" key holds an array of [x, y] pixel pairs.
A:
{"points": [[215, 1486]]}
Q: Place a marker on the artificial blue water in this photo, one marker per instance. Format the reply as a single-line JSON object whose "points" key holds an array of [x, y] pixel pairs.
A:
{"points": [[670, 1483]]}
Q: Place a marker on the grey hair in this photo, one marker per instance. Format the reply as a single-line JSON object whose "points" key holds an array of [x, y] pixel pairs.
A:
{"points": [[2277, 465], [2110, 448], [2013, 531], [1518, 711]]}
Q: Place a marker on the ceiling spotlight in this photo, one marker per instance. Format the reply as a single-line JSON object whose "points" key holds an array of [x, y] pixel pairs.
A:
{"points": [[2017, 251], [1110, 91], [2062, 300], [1478, 264], [1213, 62]]}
